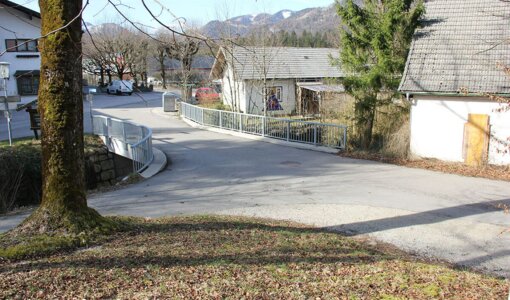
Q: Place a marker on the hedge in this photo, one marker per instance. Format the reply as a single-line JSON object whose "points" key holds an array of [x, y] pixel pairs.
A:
{"points": [[20, 172]]}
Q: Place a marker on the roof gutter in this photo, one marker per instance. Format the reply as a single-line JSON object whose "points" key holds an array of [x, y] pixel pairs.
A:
{"points": [[449, 94]]}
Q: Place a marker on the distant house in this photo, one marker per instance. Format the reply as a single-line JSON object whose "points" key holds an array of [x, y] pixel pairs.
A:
{"points": [[18, 26], [253, 77], [454, 65], [200, 67]]}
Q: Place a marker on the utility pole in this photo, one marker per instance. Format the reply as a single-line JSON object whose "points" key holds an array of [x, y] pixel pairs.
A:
{"points": [[4, 74]]}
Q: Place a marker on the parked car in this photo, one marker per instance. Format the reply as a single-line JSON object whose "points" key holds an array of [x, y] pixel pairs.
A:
{"points": [[206, 94], [120, 86]]}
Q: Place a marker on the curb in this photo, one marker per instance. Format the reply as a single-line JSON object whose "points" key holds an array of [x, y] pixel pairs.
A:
{"points": [[158, 164]]}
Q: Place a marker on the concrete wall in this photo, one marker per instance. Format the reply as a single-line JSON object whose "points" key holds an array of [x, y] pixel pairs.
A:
{"points": [[437, 127], [18, 25], [255, 95]]}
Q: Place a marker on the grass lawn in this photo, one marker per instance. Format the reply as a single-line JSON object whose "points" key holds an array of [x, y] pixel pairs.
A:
{"points": [[230, 257], [19, 141]]}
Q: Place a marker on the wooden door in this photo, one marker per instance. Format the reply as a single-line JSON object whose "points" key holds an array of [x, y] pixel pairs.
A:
{"points": [[476, 139]]}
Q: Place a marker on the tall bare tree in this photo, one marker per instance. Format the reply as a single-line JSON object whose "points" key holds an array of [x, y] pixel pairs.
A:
{"points": [[184, 49], [159, 51], [94, 61]]}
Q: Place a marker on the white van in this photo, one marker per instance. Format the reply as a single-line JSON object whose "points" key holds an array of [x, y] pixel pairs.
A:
{"points": [[120, 86]]}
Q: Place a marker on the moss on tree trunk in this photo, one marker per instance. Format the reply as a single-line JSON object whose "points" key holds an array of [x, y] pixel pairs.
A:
{"points": [[64, 204]]}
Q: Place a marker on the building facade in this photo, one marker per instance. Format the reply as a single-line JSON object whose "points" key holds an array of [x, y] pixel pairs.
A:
{"points": [[255, 79], [19, 29], [455, 74]]}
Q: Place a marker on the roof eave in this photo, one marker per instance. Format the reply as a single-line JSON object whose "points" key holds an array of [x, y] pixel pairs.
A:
{"points": [[28, 11]]}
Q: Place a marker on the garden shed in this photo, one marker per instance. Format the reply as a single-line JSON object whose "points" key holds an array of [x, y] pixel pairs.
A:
{"points": [[455, 74]]}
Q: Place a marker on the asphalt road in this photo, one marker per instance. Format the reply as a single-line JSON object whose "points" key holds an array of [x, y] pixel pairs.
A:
{"points": [[20, 122], [432, 214]]}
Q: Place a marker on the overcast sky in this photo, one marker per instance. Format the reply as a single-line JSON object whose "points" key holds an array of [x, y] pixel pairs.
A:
{"points": [[196, 12]]}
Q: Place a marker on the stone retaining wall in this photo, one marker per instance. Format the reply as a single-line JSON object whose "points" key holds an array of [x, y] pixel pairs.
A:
{"points": [[103, 168]]}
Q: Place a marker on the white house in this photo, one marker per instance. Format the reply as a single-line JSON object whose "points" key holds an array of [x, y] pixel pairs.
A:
{"points": [[455, 69], [18, 26], [252, 76]]}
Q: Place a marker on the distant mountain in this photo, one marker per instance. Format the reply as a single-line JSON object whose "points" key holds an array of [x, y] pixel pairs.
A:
{"points": [[311, 19]]}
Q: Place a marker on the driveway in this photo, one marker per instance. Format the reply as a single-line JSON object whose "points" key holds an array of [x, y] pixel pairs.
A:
{"points": [[432, 214]]}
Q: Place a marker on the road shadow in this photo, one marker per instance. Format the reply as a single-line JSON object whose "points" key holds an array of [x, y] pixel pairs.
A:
{"points": [[421, 218]]}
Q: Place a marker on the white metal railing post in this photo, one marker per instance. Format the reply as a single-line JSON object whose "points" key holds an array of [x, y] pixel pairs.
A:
{"points": [[315, 135], [288, 130], [221, 119], [203, 121], [264, 126], [241, 122], [344, 142], [134, 158], [124, 139], [108, 135]]}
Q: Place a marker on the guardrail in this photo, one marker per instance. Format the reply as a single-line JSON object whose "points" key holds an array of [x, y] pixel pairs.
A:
{"points": [[126, 139], [314, 133]]}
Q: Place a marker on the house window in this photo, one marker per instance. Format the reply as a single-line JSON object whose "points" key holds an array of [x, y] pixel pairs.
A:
{"points": [[21, 45], [28, 85], [273, 97]]}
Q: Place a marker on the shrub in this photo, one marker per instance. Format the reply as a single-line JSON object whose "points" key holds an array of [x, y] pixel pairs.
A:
{"points": [[20, 175], [20, 172], [397, 144]]}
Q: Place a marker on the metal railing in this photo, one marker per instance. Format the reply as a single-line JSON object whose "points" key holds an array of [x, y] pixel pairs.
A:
{"points": [[126, 139], [314, 133]]}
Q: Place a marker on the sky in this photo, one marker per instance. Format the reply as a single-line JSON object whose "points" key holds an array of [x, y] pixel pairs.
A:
{"points": [[195, 12]]}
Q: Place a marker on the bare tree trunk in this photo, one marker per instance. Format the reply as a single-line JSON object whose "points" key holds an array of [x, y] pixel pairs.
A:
{"points": [[109, 73], [102, 76], [163, 74], [186, 72], [64, 203]]}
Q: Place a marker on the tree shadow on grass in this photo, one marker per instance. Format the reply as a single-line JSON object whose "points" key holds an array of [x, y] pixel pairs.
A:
{"points": [[214, 242]]}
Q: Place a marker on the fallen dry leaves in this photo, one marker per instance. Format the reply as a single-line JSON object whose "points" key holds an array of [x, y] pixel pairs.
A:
{"points": [[489, 171], [237, 258]]}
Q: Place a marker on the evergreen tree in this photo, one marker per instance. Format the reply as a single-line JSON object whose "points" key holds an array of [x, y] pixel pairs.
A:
{"points": [[375, 40], [318, 42], [293, 40]]}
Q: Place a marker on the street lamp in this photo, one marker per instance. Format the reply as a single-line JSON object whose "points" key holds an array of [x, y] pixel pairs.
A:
{"points": [[4, 74], [4, 70]]}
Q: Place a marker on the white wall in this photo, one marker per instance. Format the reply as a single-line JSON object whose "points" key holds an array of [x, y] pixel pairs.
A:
{"points": [[437, 127], [232, 90], [20, 26], [255, 99]]}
